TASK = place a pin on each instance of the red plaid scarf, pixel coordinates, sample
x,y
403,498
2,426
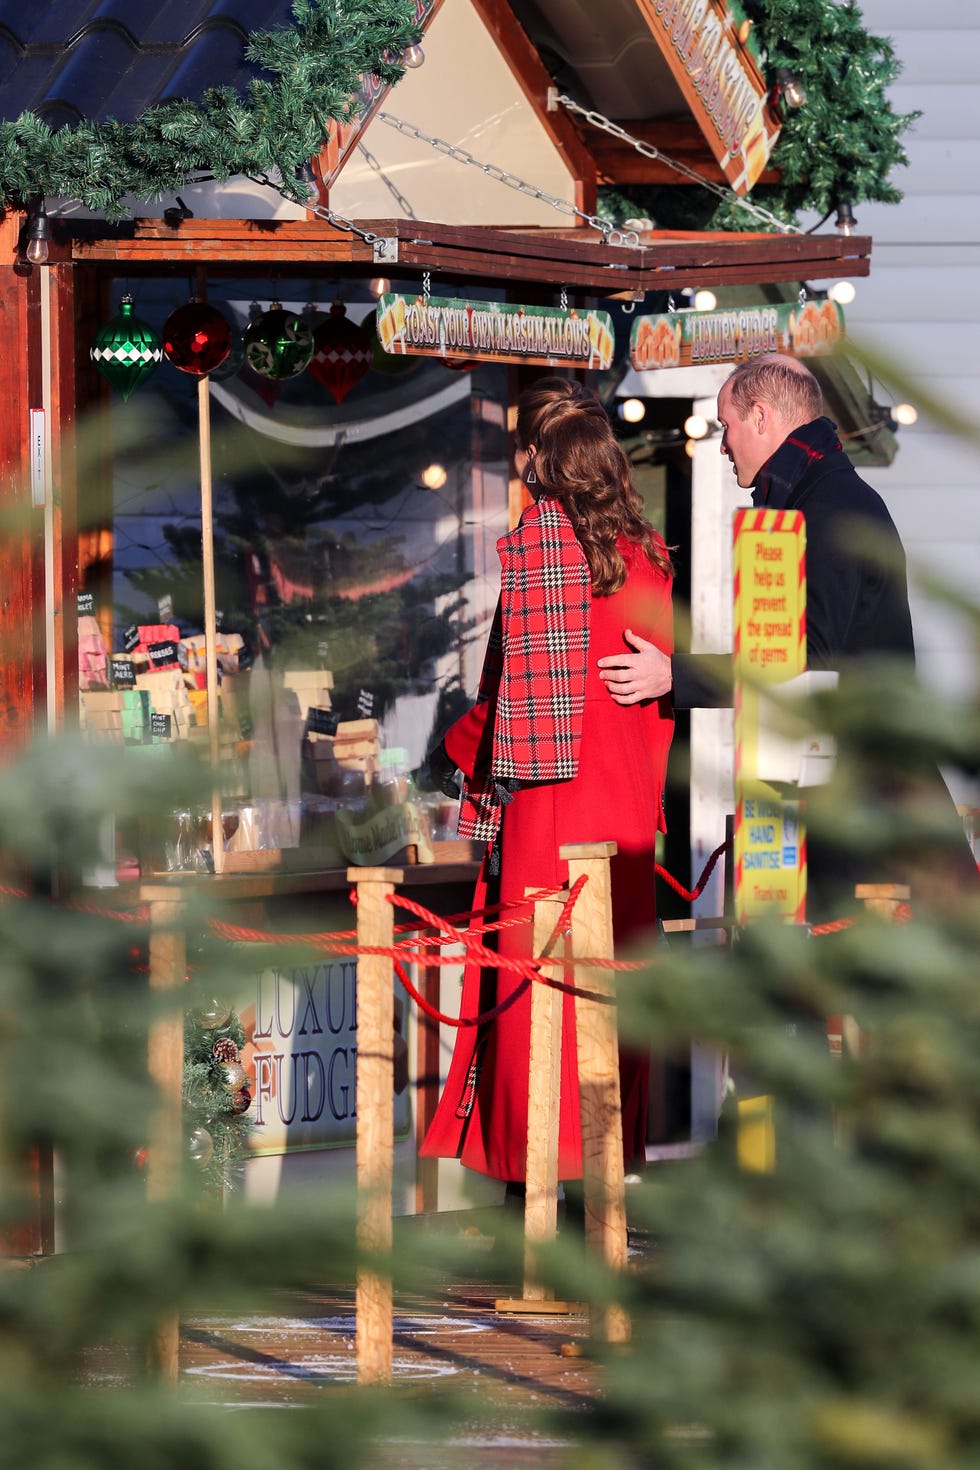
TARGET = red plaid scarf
x,y
535,662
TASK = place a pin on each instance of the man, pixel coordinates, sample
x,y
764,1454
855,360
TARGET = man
x,y
782,448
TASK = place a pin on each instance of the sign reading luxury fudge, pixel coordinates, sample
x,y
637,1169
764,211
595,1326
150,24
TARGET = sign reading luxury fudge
x,y
688,338
494,331
301,1054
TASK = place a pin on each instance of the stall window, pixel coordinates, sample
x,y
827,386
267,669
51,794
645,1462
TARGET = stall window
x,y
356,509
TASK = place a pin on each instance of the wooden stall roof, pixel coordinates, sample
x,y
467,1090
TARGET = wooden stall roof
x,y
576,258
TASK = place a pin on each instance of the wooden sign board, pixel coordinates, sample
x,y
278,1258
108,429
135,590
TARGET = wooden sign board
x,y
720,80
770,647
689,338
494,331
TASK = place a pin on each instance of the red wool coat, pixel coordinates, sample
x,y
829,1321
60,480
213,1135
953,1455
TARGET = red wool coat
x,y
615,795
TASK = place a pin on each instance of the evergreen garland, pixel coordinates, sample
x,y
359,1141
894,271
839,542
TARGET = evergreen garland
x,y
208,1103
841,146
317,66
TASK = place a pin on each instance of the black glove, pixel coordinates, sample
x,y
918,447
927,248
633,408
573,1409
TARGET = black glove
x,y
443,772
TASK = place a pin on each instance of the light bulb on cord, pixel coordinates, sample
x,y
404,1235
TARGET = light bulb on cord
x,y
696,426
905,413
705,301
845,222
434,476
38,236
843,292
690,447
632,410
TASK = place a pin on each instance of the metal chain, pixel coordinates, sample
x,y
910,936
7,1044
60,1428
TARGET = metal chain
x,y
649,151
610,234
320,210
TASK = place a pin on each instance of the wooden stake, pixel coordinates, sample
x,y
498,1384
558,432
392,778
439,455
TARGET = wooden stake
x,y
543,1110
165,1058
598,1064
375,1116
210,617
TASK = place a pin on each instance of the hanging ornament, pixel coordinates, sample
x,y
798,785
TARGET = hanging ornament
x,y
242,1101
232,1076
196,338
390,363
213,1016
278,344
342,353
225,1050
126,350
200,1146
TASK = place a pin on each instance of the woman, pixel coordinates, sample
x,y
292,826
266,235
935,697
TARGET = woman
x,y
548,758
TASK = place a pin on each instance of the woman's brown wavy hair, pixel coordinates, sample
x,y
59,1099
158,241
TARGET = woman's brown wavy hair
x,y
579,462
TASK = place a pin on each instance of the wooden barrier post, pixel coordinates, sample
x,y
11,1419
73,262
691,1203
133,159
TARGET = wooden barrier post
x,y
165,1059
598,1063
375,1116
543,1110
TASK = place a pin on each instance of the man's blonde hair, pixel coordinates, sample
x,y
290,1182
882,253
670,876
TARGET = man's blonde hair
x,y
783,382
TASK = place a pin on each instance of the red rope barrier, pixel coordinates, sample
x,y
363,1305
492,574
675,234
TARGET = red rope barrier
x,y
690,894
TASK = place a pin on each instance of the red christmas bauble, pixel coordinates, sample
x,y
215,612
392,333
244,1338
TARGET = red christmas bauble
x,y
196,338
242,1101
342,353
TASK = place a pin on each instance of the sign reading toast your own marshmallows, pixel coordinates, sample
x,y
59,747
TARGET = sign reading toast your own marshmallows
x,y
687,338
494,331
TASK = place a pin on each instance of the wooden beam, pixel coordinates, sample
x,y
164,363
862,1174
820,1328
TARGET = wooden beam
x,y
21,545
576,258
618,162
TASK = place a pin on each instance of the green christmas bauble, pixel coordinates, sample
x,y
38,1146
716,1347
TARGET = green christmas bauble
x,y
278,344
214,1016
126,350
200,1146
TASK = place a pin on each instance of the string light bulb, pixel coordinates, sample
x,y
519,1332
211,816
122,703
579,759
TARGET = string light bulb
x,y
704,301
632,410
379,286
905,414
696,426
790,89
843,292
38,236
434,476
690,447
845,221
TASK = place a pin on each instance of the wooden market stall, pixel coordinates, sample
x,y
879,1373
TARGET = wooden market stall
x,y
61,431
